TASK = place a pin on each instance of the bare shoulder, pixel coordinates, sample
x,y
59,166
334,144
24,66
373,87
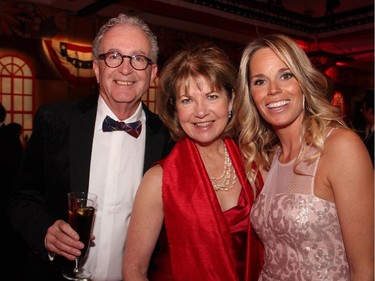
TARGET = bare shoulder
x,y
154,171
152,179
344,142
345,155
345,170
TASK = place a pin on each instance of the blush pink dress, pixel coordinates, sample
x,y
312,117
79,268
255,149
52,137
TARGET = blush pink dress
x,y
301,232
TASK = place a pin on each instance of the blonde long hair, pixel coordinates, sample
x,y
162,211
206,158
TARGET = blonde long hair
x,y
257,139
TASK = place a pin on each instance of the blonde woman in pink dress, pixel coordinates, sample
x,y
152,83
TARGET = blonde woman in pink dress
x,y
315,214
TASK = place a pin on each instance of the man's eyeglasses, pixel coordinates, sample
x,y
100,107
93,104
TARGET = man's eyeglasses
x,y
115,59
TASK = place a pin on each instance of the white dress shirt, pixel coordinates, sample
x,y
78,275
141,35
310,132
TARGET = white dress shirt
x,y
116,170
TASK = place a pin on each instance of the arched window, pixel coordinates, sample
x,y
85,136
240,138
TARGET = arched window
x,y
338,101
16,91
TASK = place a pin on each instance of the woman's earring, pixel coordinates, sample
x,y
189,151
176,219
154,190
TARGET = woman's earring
x,y
230,114
303,102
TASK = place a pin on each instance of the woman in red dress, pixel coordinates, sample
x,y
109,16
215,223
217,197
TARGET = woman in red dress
x,y
193,207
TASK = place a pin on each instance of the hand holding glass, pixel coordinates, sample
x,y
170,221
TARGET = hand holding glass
x,y
81,207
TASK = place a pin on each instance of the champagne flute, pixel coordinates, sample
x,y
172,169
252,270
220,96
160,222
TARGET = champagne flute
x,y
81,208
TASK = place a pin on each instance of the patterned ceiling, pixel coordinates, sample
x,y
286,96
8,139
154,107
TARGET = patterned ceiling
x,y
345,28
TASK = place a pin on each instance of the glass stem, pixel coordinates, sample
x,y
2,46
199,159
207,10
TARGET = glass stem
x,y
76,268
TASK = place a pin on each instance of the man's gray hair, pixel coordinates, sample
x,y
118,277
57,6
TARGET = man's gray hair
x,y
131,20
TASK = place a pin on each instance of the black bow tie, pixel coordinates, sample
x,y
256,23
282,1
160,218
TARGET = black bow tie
x,y
133,129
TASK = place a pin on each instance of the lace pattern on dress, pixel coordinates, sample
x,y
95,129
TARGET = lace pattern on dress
x,y
301,232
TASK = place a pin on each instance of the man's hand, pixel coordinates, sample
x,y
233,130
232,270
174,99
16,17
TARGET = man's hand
x,y
61,239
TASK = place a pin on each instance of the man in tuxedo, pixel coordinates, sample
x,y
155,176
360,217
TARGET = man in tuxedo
x,y
80,146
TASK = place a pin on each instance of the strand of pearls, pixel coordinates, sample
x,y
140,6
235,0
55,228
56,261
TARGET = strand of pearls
x,y
228,177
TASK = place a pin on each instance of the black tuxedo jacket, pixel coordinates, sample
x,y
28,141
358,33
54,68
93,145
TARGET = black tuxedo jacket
x,y
56,161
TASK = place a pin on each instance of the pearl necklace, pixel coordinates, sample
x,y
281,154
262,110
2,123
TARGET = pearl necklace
x,y
228,178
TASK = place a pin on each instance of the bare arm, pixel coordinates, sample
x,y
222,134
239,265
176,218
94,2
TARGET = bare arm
x,y
145,225
351,177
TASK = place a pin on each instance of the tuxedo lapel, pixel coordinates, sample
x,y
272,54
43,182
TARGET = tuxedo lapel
x,y
81,139
82,134
158,143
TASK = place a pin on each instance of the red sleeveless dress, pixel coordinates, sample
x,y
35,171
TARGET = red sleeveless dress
x,y
198,240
